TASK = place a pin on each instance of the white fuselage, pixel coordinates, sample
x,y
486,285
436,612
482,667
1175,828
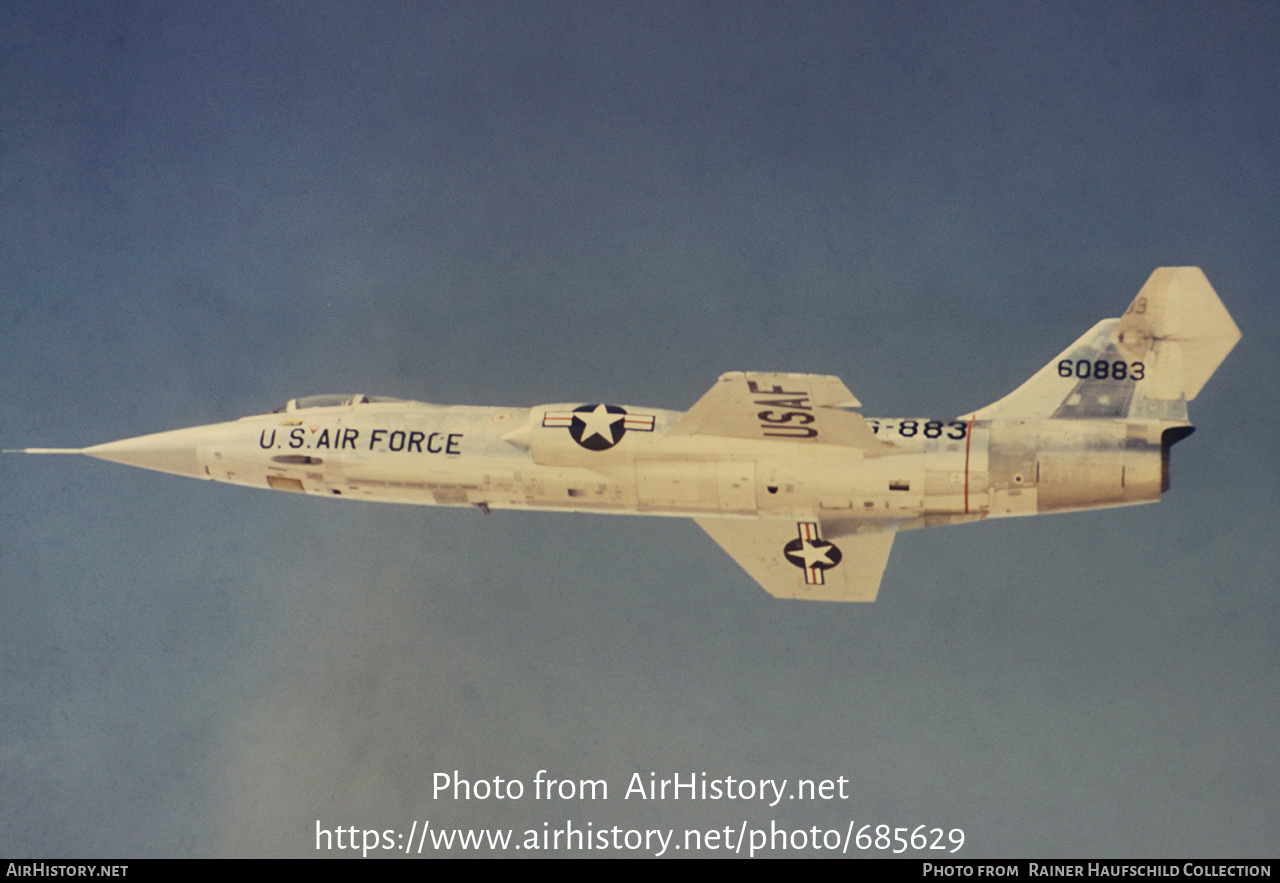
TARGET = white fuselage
x,y
932,471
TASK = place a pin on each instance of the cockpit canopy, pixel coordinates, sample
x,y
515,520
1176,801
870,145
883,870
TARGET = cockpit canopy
x,y
333,400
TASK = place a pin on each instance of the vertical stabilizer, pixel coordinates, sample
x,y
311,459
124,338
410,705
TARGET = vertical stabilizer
x,y
1145,365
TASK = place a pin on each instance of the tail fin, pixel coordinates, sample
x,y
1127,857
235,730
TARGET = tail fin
x,y
1145,365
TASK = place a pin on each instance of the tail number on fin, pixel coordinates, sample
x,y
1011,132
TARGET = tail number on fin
x,y
1102,369
811,553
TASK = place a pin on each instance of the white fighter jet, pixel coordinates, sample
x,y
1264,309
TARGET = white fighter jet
x,y
781,470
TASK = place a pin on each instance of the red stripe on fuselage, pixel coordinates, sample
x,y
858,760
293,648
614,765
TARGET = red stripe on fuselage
x,y
968,440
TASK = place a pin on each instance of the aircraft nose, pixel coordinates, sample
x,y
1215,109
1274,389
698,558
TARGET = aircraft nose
x,y
173,451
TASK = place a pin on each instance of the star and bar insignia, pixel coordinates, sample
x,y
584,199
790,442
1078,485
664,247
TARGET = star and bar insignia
x,y
811,553
598,427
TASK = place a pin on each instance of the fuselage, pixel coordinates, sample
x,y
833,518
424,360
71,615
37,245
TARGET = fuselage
x,y
930,471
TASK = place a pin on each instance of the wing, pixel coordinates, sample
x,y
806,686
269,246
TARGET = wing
x,y
810,408
791,559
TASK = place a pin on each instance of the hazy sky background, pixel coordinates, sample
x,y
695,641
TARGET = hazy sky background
x,y
206,209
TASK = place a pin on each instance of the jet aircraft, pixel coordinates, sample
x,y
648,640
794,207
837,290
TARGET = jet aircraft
x,y
782,470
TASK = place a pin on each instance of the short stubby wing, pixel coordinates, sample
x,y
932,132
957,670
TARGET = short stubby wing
x,y
794,559
808,408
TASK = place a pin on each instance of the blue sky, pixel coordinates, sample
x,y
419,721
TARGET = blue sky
x,y
206,209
